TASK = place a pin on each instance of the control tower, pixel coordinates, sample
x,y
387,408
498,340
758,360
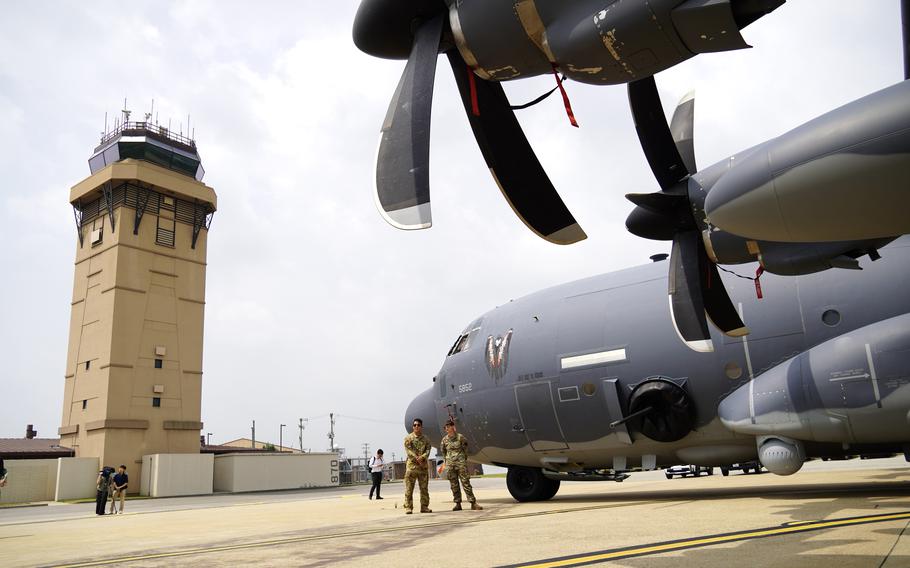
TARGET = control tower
x,y
133,383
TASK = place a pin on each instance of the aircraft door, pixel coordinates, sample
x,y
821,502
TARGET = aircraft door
x,y
537,414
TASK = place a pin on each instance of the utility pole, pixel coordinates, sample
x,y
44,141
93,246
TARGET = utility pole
x,y
281,436
254,434
366,460
331,432
300,426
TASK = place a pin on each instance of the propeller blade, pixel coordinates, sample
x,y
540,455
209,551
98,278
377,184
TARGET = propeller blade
x,y
403,160
659,202
717,302
511,160
682,126
687,310
654,134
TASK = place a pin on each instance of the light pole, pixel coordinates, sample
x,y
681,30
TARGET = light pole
x,y
281,436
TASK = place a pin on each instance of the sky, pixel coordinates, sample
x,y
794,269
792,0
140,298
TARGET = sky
x,y
314,305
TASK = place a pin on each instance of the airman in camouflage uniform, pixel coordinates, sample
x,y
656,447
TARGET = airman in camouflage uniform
x,y
417,447
454,447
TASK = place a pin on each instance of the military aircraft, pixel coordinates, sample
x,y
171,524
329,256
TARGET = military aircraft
x,y
488,41
587,380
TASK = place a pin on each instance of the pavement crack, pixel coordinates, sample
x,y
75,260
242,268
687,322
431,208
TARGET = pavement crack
x,y
893,546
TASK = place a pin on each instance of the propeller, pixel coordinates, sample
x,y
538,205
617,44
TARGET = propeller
x,y
696,291
402,168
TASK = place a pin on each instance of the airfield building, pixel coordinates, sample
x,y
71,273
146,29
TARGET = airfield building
x,y
133,381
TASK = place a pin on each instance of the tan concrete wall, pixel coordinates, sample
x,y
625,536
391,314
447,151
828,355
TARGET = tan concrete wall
x,y
29,481
170,475
75,478
132,295
237,473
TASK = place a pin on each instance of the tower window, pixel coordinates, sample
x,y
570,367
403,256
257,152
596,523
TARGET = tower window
x,y
87,365
156,402
84,404
158,363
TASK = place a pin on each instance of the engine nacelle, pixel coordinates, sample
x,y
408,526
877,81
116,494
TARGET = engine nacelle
x,y
594,41
851,389
781,456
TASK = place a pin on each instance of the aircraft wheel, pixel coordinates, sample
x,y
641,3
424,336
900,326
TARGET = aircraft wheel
x,y
724,471
530,484
669,476
710,471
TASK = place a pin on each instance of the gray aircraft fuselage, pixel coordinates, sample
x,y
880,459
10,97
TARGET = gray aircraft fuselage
x,y
537,382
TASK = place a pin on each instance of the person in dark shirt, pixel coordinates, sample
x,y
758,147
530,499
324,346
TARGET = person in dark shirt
x,y
102,487
119,484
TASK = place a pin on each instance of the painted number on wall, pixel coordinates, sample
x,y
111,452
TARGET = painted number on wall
x,y
333,468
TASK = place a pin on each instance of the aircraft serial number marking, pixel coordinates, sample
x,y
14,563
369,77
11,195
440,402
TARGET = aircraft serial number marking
x,y
697,542
467,387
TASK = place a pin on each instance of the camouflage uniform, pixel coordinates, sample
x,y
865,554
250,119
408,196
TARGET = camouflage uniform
x,y
416,447
455,450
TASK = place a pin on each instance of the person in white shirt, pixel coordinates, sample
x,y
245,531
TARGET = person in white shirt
x,y
376,463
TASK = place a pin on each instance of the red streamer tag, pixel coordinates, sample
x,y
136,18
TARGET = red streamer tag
x,y
475,107
565,97
758,274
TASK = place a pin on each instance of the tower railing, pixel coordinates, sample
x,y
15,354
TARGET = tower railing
x,y
157,131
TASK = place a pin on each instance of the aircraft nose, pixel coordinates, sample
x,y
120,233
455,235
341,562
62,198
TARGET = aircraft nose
x,y
422,407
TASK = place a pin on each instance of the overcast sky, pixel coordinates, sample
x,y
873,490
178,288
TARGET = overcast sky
x,y
313,303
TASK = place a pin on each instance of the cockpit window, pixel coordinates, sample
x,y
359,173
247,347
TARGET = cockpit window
x,y
466,339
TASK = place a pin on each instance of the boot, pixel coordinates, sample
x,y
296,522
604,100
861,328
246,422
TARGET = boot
x,y
408,511
457,507
475,507
426,510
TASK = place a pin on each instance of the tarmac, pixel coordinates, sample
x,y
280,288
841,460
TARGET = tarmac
x,y
849,514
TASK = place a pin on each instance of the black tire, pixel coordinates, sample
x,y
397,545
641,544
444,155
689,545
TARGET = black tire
x,y
710,471
551,487
724,471
529,484
669,476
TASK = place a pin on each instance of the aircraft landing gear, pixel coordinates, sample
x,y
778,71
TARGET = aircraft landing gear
x,y
530,484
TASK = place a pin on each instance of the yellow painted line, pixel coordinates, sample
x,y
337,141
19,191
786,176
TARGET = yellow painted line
x,y
713,539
